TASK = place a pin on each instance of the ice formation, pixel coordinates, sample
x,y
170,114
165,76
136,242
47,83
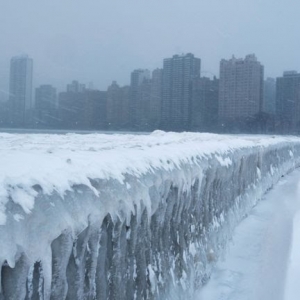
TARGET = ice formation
x,y
262,261
126,216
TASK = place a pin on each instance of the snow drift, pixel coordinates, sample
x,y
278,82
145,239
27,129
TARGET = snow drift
x,y
126,216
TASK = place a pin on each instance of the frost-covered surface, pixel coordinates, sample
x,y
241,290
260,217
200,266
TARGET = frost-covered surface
x,y
263,259
126,216
292,288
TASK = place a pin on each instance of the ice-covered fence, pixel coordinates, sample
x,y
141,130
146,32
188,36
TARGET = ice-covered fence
x,y
126,216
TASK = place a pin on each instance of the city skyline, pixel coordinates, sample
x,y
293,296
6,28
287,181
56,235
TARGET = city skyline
x,y
174,98
102,42
90,84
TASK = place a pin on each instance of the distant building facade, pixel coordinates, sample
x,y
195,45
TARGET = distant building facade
x,y
45,97
117,107
94,113
82,110
204,115
20,89
113,106
139,80
143,105
269,101
125,113
179,73
75,87
240,89
156,99
288,102
4,114
45,105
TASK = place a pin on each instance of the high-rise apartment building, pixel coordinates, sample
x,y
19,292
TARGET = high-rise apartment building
x,y
20,89
240,89
288,102
179,73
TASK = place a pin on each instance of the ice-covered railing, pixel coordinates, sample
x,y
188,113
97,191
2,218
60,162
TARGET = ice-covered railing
x,y
126,216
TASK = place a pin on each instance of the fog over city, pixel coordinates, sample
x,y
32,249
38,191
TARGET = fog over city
x,y
101,41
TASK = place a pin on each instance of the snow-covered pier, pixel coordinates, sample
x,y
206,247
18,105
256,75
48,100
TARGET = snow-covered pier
x,y
126,216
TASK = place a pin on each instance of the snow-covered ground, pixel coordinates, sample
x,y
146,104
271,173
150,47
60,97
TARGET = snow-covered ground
x,y
263,259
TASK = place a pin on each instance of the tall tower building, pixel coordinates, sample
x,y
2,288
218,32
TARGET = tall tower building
x,y
20,88
179,73
240,90
288,102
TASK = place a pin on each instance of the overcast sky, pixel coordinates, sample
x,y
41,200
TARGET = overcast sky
x,y
103,40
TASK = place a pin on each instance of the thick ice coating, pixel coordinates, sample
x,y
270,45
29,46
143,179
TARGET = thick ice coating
x,y
96,216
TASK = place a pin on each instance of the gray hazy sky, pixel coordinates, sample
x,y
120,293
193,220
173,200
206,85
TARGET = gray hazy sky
x,y
104,40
